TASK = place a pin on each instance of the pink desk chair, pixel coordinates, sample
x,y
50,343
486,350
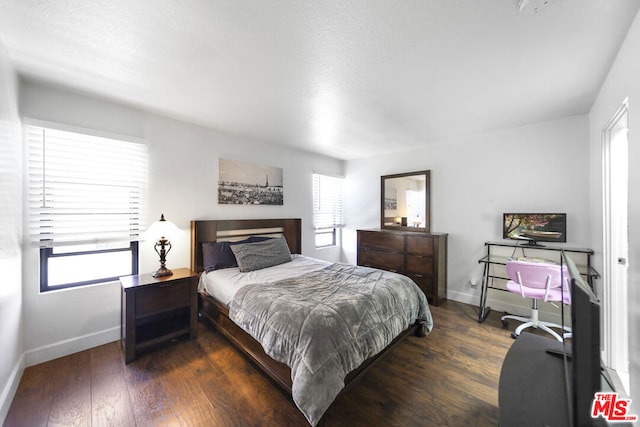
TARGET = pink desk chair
x,y
538,281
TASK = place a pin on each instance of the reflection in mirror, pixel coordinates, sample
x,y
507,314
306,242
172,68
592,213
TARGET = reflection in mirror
x,y
405,201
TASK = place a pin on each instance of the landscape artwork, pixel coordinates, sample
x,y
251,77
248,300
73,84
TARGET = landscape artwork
x,y
390,198
243,183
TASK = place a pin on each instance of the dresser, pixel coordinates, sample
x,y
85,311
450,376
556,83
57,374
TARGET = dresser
x,y
420,256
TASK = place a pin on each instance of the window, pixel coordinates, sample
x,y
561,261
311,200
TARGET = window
x,y
86,201
415,208
327,209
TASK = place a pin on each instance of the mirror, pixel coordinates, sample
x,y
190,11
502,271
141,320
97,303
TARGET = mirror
x,y
405,203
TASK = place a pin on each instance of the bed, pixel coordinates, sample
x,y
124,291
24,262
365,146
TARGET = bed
x,y
311,395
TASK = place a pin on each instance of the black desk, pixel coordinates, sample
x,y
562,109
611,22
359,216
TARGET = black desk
x,y
532,384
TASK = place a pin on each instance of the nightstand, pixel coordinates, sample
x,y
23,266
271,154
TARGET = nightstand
x,y
155,310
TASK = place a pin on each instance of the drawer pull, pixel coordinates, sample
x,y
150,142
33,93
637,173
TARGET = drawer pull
x,y
418,275
166,285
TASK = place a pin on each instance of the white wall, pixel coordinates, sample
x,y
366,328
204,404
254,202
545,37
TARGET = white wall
x,y
537,168
11,347
182,185
623,81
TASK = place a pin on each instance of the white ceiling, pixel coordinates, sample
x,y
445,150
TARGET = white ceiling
x,y
347,78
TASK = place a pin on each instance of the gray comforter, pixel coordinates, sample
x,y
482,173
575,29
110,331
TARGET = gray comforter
x,y
324,324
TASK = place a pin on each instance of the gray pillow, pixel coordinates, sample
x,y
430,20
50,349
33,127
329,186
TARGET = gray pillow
x,y
218,255
255,256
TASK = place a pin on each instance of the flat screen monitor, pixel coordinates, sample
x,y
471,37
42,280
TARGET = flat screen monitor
x,y
531,228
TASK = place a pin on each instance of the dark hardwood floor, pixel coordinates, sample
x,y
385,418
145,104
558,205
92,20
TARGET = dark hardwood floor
x,y
449,378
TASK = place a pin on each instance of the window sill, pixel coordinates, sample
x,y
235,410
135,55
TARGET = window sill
x,y
77,288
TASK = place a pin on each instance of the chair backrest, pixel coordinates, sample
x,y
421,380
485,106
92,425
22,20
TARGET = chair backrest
x,y
535,274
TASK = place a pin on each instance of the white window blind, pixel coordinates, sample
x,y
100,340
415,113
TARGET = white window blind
x,y
83,188
327,201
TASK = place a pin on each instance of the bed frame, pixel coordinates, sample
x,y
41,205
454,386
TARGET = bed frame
x,y
218,314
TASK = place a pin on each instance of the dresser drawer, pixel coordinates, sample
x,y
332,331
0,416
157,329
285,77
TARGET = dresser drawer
x,y
382,241
425,283
389,261
163,297
420,245
421,265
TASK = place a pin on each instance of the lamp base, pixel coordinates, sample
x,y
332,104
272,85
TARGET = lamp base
x,y
163,271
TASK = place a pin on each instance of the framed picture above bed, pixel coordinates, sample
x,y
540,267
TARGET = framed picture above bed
x,y
243,183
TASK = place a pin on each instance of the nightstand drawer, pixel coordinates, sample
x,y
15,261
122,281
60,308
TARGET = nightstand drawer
x,y
167,296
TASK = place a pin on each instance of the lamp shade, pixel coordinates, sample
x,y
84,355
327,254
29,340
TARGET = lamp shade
x,y
161,228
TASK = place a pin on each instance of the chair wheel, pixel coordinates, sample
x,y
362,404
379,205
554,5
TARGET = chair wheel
x,y
514,335
505,323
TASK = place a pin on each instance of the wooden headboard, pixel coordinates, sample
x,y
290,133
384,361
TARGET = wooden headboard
x,y
238,229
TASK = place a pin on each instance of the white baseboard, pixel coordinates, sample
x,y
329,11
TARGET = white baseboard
x,y
10,388
462,297
70,346
523,309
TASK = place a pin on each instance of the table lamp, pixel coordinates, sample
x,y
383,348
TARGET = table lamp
x,y
162,228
